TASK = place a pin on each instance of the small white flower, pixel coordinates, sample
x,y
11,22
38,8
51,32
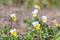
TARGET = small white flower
x,y
36,6
35,23
35,11
12,30
44,17
12,15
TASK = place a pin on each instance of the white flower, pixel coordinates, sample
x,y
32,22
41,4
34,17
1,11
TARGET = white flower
x,y
12,15
12,30
35,23
37,7
44,17
35,11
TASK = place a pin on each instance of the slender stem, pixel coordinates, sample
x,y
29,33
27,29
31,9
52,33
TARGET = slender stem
x,y
22,37
11,22
40,35
17,22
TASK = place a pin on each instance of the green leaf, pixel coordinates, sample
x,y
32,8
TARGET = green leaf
x,y
37,18
1,38
11,38
19,37
6,29
25,20
57,36
8,38
4,38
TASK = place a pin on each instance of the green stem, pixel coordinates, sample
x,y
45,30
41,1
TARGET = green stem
x,y
11,22
40,35
22,37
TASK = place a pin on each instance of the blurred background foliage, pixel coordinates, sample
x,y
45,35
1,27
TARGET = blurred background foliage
x,y
42,3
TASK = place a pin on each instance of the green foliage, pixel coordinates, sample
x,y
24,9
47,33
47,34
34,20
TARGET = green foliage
x,y
27,21
43,3
11,38
57,36
1,38
30,3
4,3
46,31
30,35
6,29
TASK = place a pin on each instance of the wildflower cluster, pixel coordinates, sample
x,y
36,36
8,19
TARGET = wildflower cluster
x,y
39,26
39,29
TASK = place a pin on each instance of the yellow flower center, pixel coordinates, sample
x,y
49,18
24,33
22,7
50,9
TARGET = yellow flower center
x,y
14,18
34,14
37,26
44,20
14,33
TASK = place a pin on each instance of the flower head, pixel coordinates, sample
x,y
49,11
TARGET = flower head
x,y
37,7
44,19
13,16
35,12
55,23
13,32
36,25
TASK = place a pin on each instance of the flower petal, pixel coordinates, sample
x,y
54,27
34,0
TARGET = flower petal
x,y
12,15
35,23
